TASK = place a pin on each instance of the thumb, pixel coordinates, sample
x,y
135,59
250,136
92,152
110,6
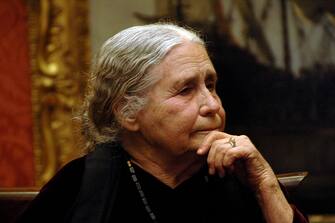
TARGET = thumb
x,y
209,139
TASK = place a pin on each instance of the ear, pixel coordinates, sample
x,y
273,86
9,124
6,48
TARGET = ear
x,y
130,123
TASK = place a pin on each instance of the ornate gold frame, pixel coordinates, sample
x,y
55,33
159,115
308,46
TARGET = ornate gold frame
x,y
59,53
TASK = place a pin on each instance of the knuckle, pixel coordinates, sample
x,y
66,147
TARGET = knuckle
x,y
209,160
215,144
219,146
230,154
244,137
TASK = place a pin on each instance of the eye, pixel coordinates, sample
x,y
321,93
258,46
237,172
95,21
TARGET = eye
x,y
211,86
186,90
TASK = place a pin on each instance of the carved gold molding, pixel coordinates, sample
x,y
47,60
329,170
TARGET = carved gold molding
x,y
59,58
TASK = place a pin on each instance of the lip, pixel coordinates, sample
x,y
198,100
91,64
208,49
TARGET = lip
x,y
206,131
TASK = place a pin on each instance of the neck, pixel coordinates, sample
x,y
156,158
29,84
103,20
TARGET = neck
x,y
171,174
170,169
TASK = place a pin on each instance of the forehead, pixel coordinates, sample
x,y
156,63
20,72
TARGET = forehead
x,y
186,52
185,60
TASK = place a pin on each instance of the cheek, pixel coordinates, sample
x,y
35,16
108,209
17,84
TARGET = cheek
x,y
185,113
222,114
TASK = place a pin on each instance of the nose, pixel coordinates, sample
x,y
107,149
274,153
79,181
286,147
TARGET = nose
x,y
210,104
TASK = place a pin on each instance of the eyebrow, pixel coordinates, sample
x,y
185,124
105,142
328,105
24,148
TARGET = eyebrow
x,y
210,75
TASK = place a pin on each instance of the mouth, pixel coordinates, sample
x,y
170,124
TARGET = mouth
x,y
206,131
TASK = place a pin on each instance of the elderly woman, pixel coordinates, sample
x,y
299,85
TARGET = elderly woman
x,y
158,152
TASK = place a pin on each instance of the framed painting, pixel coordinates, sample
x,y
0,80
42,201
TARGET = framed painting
x,y
59,52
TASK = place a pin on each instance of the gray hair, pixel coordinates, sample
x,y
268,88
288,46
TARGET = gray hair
x,y
121,76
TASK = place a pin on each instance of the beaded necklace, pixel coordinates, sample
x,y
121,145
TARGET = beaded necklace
x,y
141,192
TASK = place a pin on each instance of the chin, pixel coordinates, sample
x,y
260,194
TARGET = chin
x,y
196,143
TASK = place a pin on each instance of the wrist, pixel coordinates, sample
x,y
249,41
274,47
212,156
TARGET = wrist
x,y
273,203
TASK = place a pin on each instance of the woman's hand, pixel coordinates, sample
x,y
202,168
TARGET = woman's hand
x,y
238,155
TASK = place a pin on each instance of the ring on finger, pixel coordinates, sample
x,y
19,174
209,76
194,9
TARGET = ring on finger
x,y
232,142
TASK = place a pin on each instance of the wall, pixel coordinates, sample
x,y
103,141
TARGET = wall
x,y
109,17
16,144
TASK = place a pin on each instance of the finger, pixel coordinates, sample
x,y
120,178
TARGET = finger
x,y
218,162
215,156
210,160
234,154
209,139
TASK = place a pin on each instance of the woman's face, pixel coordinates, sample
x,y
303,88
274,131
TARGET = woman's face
x,y
183,106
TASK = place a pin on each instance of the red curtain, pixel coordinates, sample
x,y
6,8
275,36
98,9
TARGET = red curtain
x,y
16,137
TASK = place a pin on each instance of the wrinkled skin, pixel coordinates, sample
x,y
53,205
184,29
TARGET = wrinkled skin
x,y
182,125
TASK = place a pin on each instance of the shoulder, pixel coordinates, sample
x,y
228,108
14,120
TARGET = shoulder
x,y
57,196
71,174
79,178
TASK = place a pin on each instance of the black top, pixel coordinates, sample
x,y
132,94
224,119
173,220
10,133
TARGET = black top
x,y
98,188
198,199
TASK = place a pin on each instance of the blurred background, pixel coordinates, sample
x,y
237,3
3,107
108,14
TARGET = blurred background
x,y
275,60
